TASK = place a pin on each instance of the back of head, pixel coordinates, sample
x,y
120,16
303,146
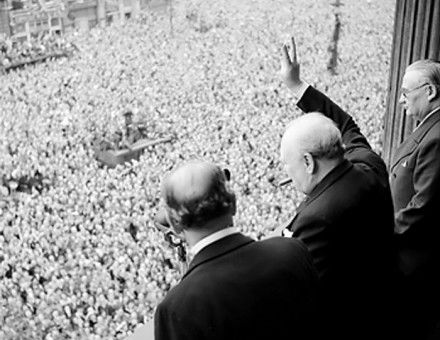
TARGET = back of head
x,y
196,193
313,133
310,148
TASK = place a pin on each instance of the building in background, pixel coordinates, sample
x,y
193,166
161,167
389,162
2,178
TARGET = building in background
x,y
26,19
29,20
4,18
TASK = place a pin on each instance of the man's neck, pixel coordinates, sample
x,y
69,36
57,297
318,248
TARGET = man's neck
x,y
326,166
432,107
194,235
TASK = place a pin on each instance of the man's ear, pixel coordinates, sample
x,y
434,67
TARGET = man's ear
x,y
309,163
173,223
433,92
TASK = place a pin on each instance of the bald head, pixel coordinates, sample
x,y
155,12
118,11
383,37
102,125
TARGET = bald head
x,y
313,133
310,148
196,193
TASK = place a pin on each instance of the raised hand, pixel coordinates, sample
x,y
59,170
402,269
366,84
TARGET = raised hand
x,y
290,67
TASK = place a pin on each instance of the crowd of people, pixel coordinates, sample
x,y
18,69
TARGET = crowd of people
x,y
81,258
15,53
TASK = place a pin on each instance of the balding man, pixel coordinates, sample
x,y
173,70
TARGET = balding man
x,y
346,220
235,287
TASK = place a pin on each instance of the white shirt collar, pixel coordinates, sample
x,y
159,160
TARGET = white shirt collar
x,y
429,115
206,241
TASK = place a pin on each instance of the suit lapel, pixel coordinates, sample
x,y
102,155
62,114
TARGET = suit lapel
x,y
409,145
404,149
217,249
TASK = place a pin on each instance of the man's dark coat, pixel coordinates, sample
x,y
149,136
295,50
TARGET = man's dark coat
x,y
415,186
347,224
237,288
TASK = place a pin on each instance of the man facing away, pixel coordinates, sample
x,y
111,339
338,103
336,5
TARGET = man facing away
x,y
346,220
235,287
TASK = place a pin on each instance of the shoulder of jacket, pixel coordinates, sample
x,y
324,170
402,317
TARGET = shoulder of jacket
x,y
284,243
434,131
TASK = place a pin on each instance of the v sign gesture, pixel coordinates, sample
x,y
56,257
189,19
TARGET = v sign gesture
x,y
290,67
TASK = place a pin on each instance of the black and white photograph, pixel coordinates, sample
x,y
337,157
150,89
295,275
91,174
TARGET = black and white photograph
x,y
219,169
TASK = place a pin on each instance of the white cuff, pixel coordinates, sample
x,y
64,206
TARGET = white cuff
x,y
300,90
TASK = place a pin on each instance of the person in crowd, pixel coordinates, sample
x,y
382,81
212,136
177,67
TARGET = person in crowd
x,y
346,219
235,287
70,266
415,186
131,132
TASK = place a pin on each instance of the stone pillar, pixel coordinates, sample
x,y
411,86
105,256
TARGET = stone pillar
x,y
136,8
121,8
5,28
100,13
416,36
28,30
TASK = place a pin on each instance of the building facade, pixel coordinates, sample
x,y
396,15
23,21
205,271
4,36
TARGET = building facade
x,y
25,19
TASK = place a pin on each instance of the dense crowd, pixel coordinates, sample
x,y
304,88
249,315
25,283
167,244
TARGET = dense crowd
x,y
80,257
14,52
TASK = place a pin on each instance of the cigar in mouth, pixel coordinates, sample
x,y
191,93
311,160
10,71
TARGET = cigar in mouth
x,y
284,182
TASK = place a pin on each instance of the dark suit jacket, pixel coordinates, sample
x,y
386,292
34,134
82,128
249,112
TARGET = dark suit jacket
x,y
415,186
347,224
237,288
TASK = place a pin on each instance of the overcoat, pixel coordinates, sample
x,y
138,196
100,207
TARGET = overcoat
x,y
347,224
238,288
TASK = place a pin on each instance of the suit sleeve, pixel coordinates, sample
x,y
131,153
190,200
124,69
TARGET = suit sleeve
x,y
167,326
160,330
178,320
426,180
357,148
310,233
